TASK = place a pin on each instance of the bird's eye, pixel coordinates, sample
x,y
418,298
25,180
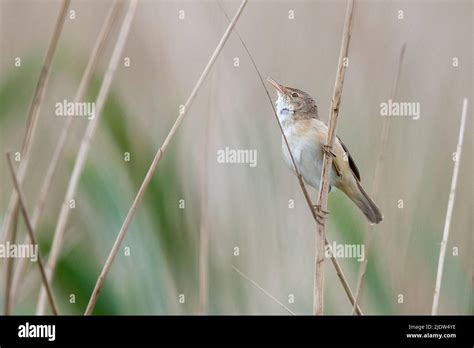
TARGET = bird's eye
x,y
294,95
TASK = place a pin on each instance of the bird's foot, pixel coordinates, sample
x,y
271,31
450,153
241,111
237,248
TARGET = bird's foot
x,y
327,150
320,213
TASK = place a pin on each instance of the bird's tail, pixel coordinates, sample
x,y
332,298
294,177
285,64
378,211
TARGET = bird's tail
x,y
367,205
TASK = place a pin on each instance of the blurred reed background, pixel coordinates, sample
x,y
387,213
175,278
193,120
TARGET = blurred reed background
x,y
240,206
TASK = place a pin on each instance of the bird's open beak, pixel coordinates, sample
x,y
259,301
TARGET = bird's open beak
x,y
279,87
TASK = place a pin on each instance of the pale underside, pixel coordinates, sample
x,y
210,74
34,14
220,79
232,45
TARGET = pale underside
x,y
305,138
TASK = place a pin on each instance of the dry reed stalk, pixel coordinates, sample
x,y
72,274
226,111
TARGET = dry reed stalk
x,y
38,96
154,164
337,267
377,175
449,210
204,224
85,146
21,200
10,223
318,285
96,53
263,290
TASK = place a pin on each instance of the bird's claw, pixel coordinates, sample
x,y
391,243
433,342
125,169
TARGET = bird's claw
x,y
327,150
320,213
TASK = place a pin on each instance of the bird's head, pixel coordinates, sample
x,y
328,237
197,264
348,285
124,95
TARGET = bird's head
x,y
293,103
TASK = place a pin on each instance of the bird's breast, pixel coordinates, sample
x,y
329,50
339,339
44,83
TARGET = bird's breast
x,y
307,153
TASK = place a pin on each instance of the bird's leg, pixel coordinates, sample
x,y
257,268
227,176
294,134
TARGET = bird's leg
x,y
320,213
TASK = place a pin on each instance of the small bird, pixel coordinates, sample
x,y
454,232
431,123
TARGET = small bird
x,y
307,137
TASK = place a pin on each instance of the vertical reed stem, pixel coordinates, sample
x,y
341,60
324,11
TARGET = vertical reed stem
x,y
318,284
449,210
337,267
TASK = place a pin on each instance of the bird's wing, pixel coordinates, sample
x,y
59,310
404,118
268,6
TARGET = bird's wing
x,y
339,164
352,164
